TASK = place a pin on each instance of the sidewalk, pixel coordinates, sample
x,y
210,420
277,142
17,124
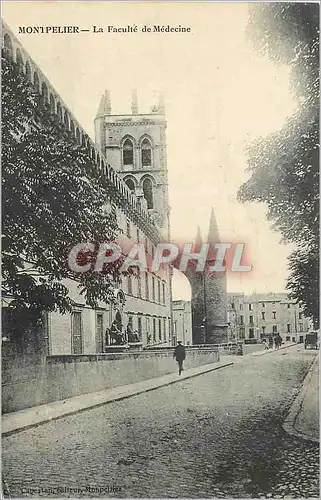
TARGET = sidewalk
x,y
31,417
303,418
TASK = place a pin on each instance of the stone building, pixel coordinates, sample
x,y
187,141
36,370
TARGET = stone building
x,y
182,321
136,147
209,296
135,144
258,316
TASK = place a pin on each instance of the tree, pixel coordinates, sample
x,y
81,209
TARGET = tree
x,y
284,166
54,197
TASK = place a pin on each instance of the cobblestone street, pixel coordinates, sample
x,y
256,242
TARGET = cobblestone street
x,y
216,435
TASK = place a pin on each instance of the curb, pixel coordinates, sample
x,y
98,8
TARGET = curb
x,y
296,406
271,351
124,392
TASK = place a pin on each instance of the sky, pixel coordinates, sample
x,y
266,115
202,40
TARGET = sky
x,y
219,94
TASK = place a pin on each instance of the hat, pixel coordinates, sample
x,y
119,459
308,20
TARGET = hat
x,y
179,341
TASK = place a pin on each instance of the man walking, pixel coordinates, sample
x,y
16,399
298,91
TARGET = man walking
x,y
179,355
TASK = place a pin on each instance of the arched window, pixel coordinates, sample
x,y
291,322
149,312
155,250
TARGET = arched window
x,y
52,104
148,192
72,128
19,60
44,92
128,153
59,112
146,153
130,183
28,71
36,81
66,119
7,44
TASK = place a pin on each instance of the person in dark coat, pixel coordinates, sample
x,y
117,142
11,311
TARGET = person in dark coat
x,y
179,355
278,341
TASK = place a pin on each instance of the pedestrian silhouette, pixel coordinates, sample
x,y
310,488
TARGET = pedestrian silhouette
x,y
179,355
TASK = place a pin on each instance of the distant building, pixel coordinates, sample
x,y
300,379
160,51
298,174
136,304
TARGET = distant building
x,y
258,316
182,321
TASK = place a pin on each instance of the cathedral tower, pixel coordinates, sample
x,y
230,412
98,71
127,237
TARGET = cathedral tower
x,y
215,295
209,295
135,145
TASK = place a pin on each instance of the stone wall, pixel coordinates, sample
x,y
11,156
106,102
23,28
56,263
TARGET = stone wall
x,y
26,383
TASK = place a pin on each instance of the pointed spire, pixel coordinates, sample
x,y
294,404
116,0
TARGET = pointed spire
x,y
161,104
213,235
104,106
134,102
198,239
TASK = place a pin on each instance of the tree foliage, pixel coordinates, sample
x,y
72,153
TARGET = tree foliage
x,y
284,166
54,197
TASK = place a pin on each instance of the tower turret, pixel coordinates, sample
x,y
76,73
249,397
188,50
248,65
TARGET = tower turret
x,y
161,104
105,105
134,102
215,291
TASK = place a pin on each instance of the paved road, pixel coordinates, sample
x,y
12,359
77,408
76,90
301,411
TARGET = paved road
x,y
216,435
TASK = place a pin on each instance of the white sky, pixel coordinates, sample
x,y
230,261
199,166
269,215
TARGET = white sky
x,y
219,96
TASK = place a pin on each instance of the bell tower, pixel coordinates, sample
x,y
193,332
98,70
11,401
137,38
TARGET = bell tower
x,y
135,145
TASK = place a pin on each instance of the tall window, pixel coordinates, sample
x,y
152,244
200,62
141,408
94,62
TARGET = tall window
x,y
241,320
263,315
153,288
139,284
274,329
250,307
263,305
154,329
164,293
76,333
288,328
241,307
274,314
160,329
148,192
251,320
158,291
263,330
164,323
146,152
147,286
129,285
251,333
128,153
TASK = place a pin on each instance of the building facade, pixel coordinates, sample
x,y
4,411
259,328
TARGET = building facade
x,y
130,152
260,316
182,321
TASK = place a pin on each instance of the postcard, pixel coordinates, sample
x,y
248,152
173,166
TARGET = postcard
x,y
160,249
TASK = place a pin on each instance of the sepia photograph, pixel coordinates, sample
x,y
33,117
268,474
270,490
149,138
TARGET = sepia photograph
x,y
160,249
